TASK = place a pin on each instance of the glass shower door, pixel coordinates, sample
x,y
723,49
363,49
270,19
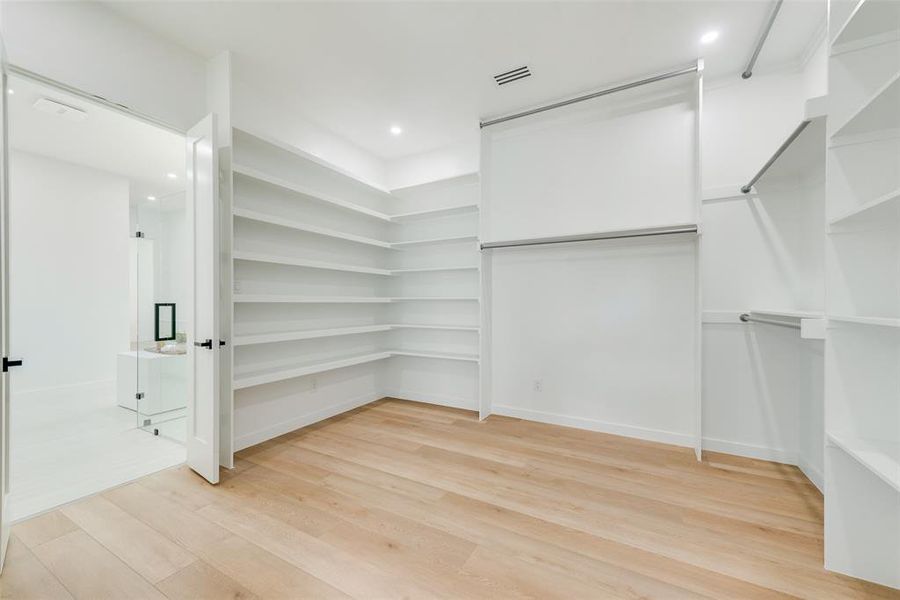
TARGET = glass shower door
x,y
159,286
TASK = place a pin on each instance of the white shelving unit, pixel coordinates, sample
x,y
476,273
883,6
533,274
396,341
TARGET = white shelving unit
x,y
862,352
345,293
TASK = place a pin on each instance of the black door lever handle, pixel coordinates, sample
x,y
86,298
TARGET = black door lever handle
x,y
8,362
207,344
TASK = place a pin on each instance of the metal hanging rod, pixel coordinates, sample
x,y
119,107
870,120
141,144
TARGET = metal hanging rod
x,y
590,237
748,318
794,135
748,72
619,88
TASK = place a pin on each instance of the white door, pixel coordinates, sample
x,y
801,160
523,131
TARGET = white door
x,y
203,342
4,315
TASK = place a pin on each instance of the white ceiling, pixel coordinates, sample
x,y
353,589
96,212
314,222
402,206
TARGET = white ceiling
x,y
357,68
106,140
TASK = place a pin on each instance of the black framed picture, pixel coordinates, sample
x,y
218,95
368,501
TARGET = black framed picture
x,y
164,322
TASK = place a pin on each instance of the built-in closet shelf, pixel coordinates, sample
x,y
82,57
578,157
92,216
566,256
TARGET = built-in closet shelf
x,y
883,209
308,264
434,269
264,375
285,298
291,336
280,373
310,193
802,150
443,240
880,457
788,314
878,113
253,215
436,212
869,18
437,355
869,321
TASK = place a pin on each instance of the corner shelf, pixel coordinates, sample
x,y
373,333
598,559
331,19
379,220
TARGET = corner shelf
x,y
290,336
437,355
435,212
877,113
308,264
473,328
252,215
880,457
314,194
290,299
789,314
875,211
443,240
434,269
271,375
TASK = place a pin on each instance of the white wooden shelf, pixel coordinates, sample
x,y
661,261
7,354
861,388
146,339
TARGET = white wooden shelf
x,y
435,269
878,113
287,298
437,355
253,215
314,194
435,327
881,209
442,240
264,375
869,18
789,314
291,299
880,457
302,262
290,336
798,155
280,373
436,212
873,321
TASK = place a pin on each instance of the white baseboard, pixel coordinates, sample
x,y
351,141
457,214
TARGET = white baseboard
x,y
261,435
779,455
813,474
642,433
438,399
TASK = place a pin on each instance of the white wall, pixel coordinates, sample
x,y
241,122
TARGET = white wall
x,y
762,385
68,272
90,47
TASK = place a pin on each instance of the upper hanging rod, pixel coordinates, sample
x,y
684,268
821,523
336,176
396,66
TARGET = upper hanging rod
x,y
748,72
748,318
590,237
794,135
619,88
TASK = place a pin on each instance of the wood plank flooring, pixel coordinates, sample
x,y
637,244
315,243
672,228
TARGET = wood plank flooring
x,y
405,500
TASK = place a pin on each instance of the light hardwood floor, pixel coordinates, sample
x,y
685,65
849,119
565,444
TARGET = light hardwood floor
x,y
405,500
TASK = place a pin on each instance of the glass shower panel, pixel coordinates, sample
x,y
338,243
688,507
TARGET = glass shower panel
x,y
161,349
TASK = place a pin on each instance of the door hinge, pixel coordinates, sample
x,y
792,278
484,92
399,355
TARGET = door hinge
x,y
138,234
11,362
139,396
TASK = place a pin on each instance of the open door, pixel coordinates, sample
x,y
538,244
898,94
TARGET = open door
x,y
202,440
4,312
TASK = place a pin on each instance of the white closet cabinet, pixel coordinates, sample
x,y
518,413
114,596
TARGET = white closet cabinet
x,y
862,402
344,293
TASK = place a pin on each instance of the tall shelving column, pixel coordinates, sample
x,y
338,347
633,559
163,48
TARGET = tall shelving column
x,y
862,388
434,336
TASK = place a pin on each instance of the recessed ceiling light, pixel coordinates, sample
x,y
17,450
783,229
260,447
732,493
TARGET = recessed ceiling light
x,y
396,130
10,91
172,175
151,197
709,37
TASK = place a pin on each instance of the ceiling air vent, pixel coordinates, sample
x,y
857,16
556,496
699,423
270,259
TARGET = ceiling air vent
x,y
514,75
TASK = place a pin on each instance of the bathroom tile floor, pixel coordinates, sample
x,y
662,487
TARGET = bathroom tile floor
x,y
69,446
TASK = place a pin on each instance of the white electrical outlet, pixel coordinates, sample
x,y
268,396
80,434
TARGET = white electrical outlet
x,y
538,385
